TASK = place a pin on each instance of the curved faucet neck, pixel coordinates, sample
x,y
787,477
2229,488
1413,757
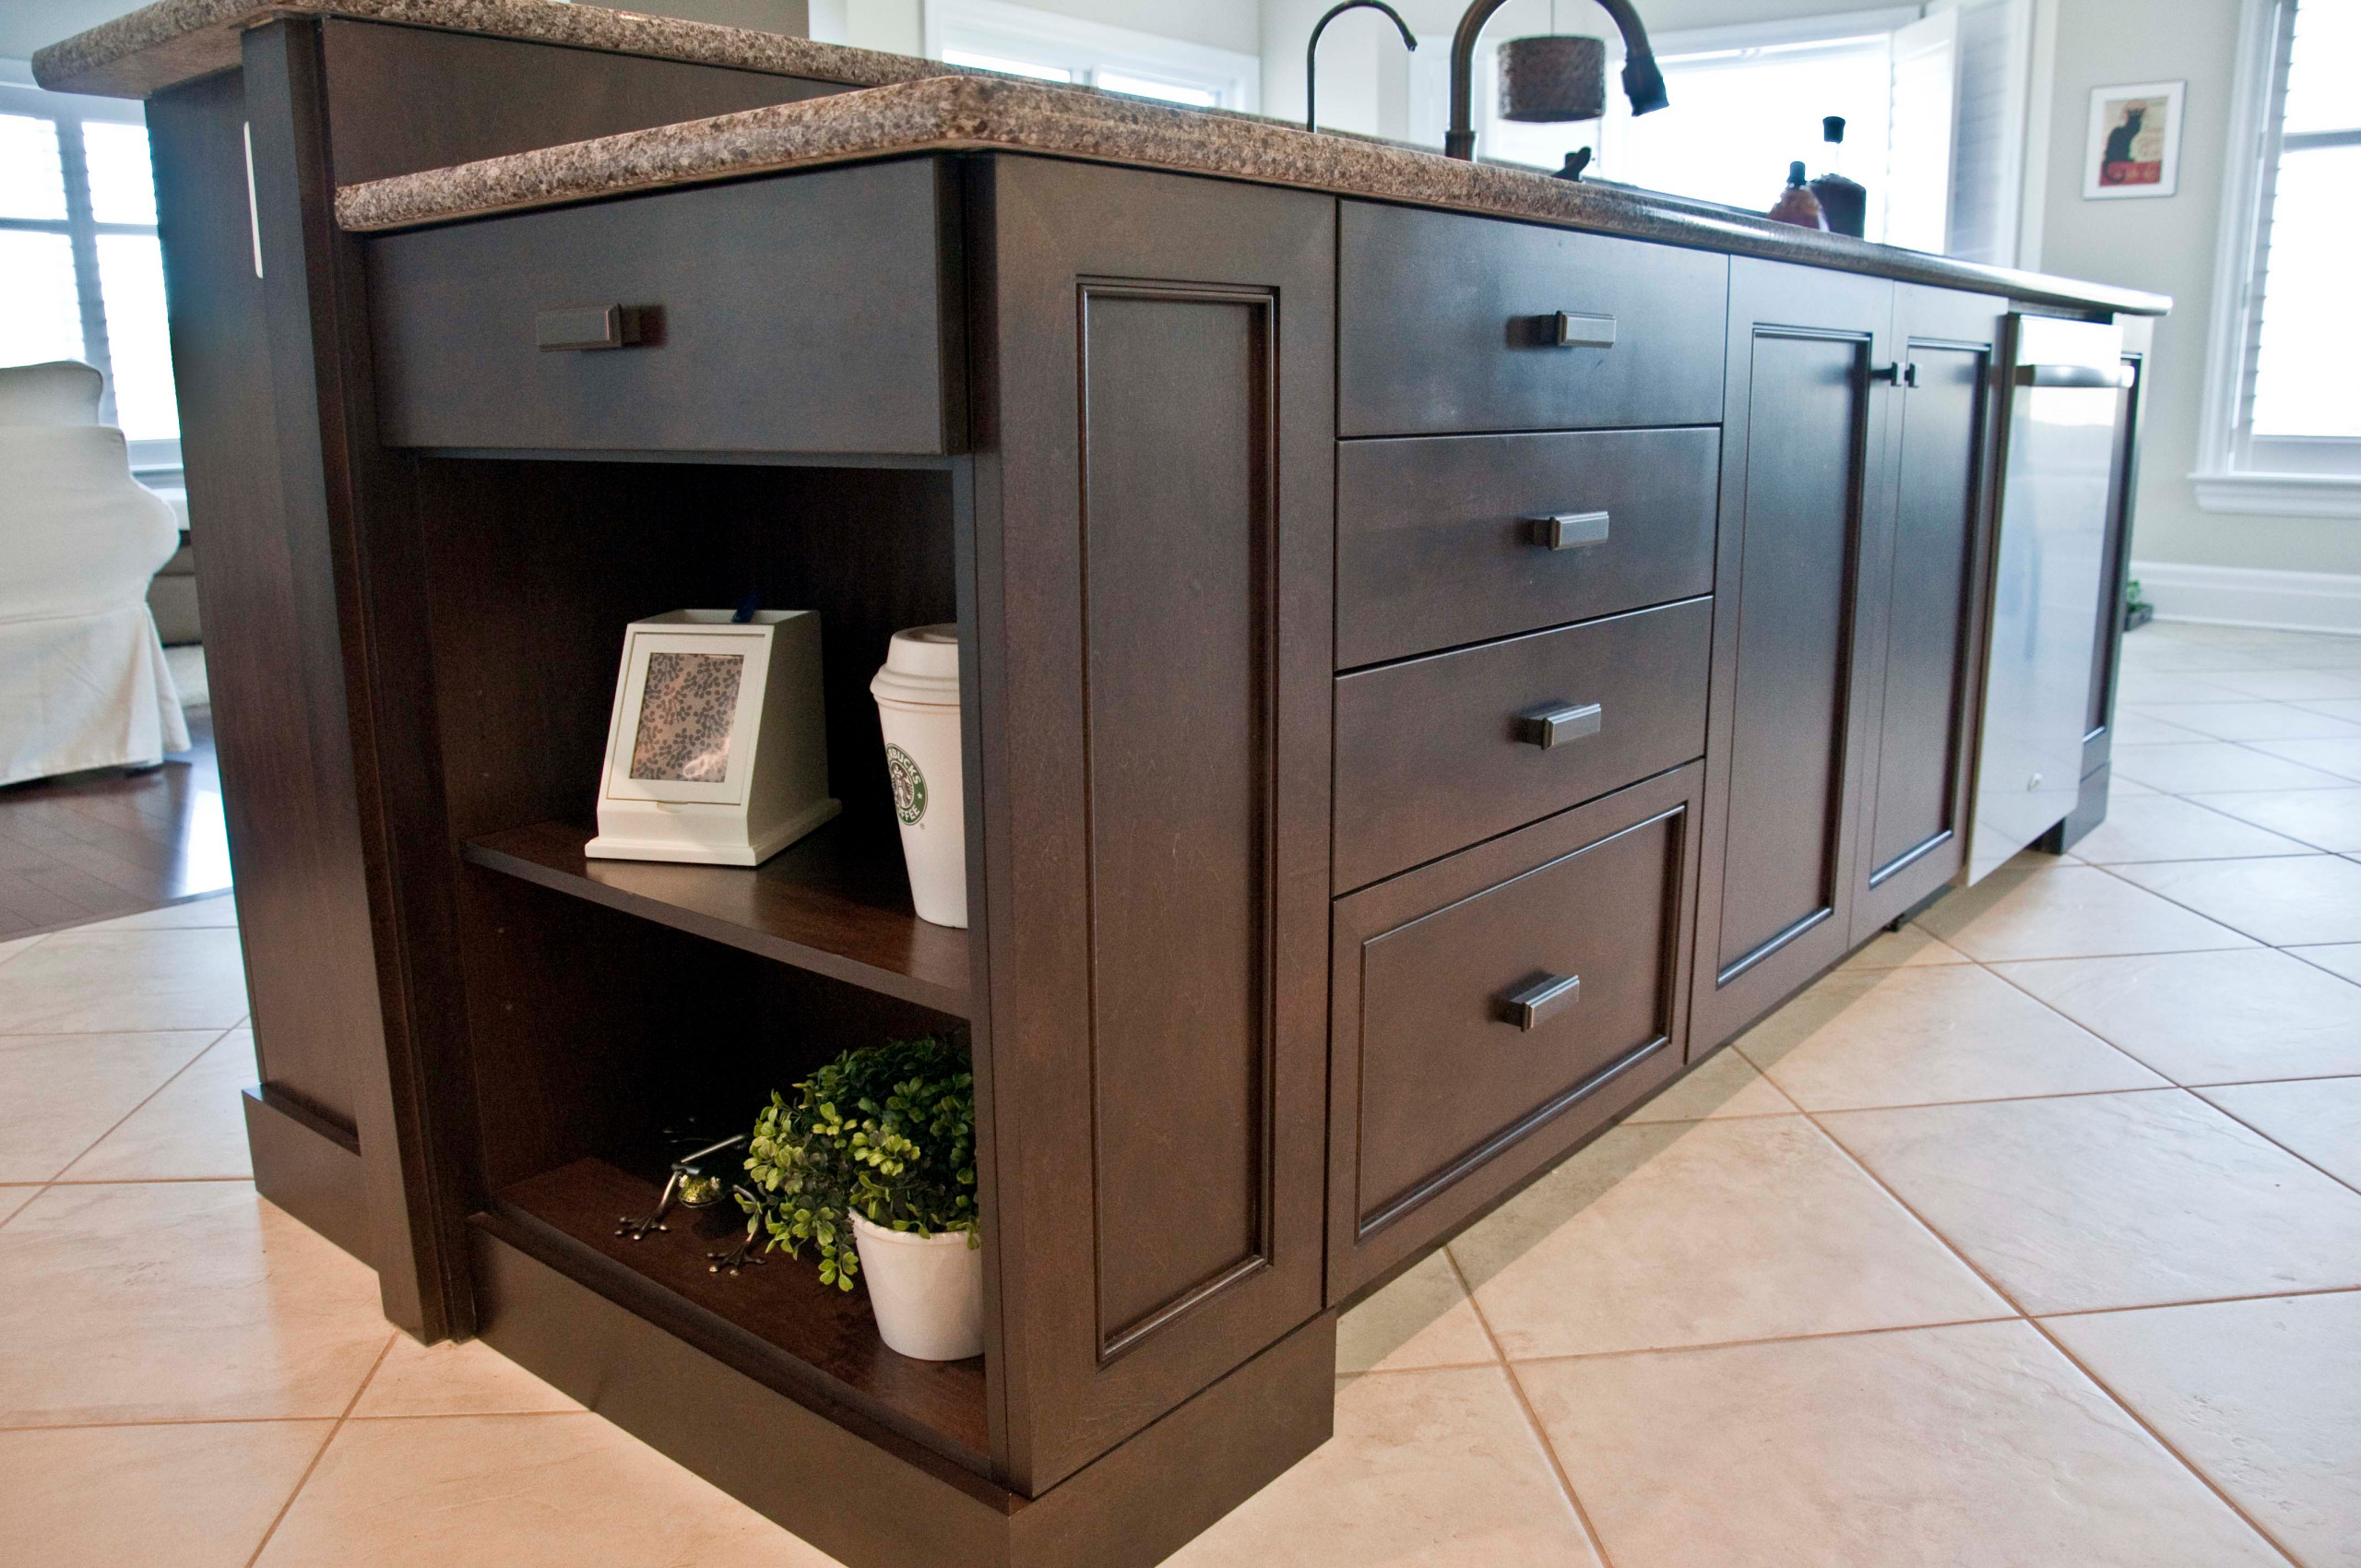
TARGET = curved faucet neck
x,y
1643,83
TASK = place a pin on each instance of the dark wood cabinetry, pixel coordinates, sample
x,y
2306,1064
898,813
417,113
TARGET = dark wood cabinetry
x,y
1851,505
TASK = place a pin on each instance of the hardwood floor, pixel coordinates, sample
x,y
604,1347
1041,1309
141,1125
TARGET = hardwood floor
x,y
92,845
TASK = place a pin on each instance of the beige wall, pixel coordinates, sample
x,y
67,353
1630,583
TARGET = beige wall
x,y
2168,244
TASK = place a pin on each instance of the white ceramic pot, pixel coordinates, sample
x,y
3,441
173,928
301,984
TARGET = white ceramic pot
x,y
928,1291
918,706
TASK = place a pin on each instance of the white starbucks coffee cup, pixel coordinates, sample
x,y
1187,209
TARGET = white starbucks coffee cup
x,y
917,704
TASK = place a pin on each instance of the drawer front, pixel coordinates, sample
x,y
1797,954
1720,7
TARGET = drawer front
x,y
1452,1082
1442,540
1435,754
806,313
1449,323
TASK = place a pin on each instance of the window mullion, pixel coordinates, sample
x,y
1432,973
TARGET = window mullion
x,y
82,233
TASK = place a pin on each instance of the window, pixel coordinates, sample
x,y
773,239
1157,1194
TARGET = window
x,y
81,273
1021,41
2281,428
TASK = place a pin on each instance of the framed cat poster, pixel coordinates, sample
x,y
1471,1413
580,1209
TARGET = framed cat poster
x,y
2135,141
717,750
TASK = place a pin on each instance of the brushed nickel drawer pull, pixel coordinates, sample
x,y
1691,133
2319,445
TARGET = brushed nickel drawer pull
x,y
1546,727
587,326
1569,530
1535,1005
1570,330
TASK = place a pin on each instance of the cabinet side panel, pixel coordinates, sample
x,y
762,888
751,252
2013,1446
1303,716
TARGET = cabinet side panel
x,y
1175,437
1786,759
1934,532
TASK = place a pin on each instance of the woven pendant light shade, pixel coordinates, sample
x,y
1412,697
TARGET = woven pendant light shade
x,y
1553,78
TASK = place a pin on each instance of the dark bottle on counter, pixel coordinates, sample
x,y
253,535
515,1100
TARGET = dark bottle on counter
x,y
1796,204
1844,203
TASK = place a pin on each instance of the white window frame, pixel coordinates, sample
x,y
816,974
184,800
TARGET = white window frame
x,y
1085,48
2227,477
19,95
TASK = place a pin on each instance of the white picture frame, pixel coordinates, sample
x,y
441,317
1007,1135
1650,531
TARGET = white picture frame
x,y
2133,145
717,745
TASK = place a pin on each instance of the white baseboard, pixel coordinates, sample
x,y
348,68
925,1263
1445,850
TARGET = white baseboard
x,y
2243,596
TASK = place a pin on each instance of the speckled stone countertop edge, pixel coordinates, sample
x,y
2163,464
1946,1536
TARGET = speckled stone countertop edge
x,y
143,52
974,113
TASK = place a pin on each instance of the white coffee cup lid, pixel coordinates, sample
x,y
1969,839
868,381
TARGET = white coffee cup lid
x,y
921,666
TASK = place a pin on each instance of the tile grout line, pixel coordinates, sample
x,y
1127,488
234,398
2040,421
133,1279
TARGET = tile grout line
x,y
321,1453
2030,1321
2291,1152
135,1109
1531,1421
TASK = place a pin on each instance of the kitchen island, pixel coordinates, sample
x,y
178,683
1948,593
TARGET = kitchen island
x,y
1442,651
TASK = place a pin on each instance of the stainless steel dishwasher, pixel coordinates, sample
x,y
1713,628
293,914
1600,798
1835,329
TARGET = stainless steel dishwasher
x,y
2064,380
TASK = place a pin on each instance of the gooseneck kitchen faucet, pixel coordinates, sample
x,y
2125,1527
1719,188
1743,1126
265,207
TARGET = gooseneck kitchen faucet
x,y
1643,83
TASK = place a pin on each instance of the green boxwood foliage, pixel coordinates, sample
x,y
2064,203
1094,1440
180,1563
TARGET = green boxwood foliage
x,y
887,1132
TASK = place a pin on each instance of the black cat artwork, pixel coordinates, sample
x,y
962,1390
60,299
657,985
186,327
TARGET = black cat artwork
x,y
2119,140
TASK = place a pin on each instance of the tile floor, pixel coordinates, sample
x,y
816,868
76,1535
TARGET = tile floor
x,y
2031,1236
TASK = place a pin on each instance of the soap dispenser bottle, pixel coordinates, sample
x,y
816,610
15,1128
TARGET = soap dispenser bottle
x,y
1796,204
1845,203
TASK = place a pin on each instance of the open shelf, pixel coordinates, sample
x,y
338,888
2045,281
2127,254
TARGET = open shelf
x,y
834,902
776,1321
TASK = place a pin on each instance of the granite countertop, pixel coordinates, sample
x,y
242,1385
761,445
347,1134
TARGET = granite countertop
x,y
905,106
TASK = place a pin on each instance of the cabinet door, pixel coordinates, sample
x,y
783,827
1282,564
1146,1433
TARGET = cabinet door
x,y
1153,602
1802,468
1920,617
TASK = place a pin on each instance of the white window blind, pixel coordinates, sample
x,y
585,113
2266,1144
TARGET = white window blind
x,y
80,270
2282,424
1021,40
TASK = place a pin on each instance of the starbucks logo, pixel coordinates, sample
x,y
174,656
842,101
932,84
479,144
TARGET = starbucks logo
x,y
909,785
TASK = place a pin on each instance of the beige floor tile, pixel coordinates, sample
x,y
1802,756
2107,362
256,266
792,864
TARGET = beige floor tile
x,y
2145,688
2195,658
2315,898
177,1301
1423,1319
2113,1200
2341,757
9,949
119,980
2326,819
2121,789
2168,827
1427,1469
1978,1446
1912,1036
2154,727
13,1198
1907,948
2318,1117
2209,1017
2259,1395
2217,765
523,1491
1700,1233
193,1495
2338,958
2241,721
2289,686
195,1128
213,909
454,1379
1727,1084
2068,912
2334,707
59,1094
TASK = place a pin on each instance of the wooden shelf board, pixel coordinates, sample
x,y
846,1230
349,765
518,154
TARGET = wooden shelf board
x,y
835,903
812,1341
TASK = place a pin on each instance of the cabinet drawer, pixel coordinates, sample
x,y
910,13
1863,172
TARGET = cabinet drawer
x,y
806,313
1447,323
1442,1096
1437,753
1445,540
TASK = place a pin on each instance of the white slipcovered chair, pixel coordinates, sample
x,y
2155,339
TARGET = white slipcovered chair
x,y
83,682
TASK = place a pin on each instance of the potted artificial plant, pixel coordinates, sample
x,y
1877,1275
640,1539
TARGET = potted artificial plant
x,y
872,1161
